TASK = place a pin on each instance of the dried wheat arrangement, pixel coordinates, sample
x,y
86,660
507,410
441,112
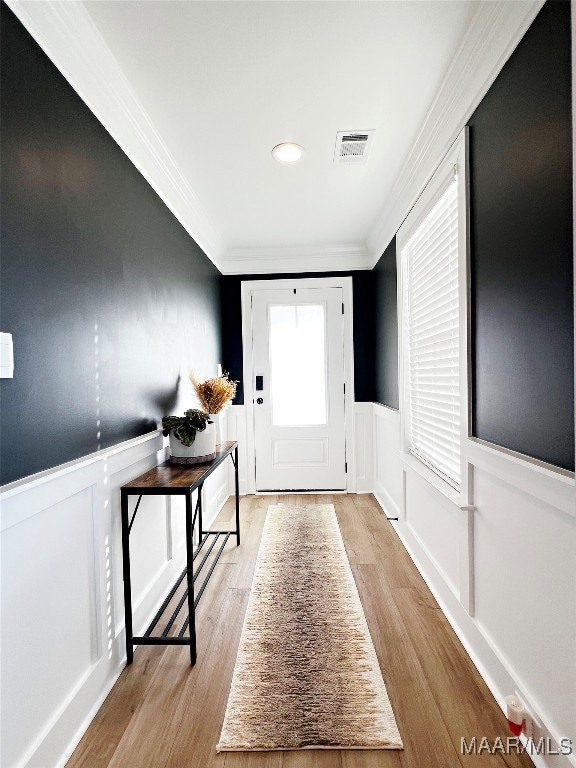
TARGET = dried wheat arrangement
x,y
214,394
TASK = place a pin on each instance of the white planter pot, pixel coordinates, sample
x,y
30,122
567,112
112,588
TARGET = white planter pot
x,y
203,448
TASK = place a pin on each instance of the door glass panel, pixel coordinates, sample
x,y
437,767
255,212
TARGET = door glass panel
x,y
298,364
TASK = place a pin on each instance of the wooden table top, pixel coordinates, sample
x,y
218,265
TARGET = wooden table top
x,y
171,477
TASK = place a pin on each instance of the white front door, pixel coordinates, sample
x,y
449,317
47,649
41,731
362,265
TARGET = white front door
x,y
298,389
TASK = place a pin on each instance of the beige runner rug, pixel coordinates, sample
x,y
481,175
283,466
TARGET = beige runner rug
x,y
306,674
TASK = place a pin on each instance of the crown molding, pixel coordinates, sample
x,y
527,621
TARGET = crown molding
x,y
494,32
329,258
67,34
69,37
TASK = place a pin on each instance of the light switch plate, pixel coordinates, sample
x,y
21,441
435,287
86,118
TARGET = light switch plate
x,y
6,356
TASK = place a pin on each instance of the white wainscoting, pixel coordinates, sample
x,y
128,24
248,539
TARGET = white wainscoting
x,y
62,600
504,575
236,430
364,463
387,471
503,572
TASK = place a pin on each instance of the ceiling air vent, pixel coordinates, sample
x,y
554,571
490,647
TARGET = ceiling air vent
x,y
352,146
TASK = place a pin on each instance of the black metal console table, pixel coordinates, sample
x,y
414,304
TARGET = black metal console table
x,y
177,480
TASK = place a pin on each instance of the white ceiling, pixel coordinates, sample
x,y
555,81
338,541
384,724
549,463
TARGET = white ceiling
x,y
224,82
209,87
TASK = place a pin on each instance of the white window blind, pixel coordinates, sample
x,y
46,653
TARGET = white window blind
x,y
430,260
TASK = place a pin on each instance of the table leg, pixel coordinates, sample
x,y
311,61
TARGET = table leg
x,y
237,489
127,583
190,576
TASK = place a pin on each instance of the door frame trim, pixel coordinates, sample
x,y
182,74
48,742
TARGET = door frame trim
x,y
247,288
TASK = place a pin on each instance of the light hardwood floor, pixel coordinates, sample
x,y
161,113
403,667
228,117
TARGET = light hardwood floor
x,y
162,713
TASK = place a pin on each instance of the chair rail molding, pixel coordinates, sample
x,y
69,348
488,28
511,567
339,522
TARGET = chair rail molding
x,y
500,567
62,590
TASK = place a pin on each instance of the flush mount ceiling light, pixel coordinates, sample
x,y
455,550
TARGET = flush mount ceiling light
x,y
288,152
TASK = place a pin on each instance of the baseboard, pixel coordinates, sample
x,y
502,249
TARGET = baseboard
x,y
386,502
75,740
491,666
74,509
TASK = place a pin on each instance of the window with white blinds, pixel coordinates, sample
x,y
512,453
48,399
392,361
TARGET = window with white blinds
x,y
432,343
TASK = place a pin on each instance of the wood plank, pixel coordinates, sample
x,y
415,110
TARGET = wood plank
x,y
250,544
164,714
426,741
371,758
154,729
361,500
226,521
448,668
198,718
100,741
312,758
253,760
353,528
398,570
464,701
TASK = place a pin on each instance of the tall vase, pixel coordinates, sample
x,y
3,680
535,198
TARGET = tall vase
x,y
217,419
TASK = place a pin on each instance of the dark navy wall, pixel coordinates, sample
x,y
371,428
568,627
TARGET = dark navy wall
x,y
521,254
521,248
363,319
386,328
103,290
99,278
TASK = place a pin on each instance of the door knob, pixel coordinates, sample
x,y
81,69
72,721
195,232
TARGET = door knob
x,y
259,400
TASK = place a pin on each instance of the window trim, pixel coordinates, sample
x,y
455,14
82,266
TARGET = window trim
x,y
444,174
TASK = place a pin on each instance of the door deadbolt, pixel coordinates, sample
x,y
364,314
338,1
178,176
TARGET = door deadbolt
x,y
259,400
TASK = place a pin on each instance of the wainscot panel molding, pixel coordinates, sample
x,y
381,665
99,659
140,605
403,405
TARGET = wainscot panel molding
x,y
502,569
549,484
236,430
62,598
363,428
388,472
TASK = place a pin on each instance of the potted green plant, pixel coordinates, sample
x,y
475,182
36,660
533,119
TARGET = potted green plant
x,y
192,437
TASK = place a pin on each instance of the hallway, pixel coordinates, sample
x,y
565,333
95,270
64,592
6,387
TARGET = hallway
x,y
163,714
